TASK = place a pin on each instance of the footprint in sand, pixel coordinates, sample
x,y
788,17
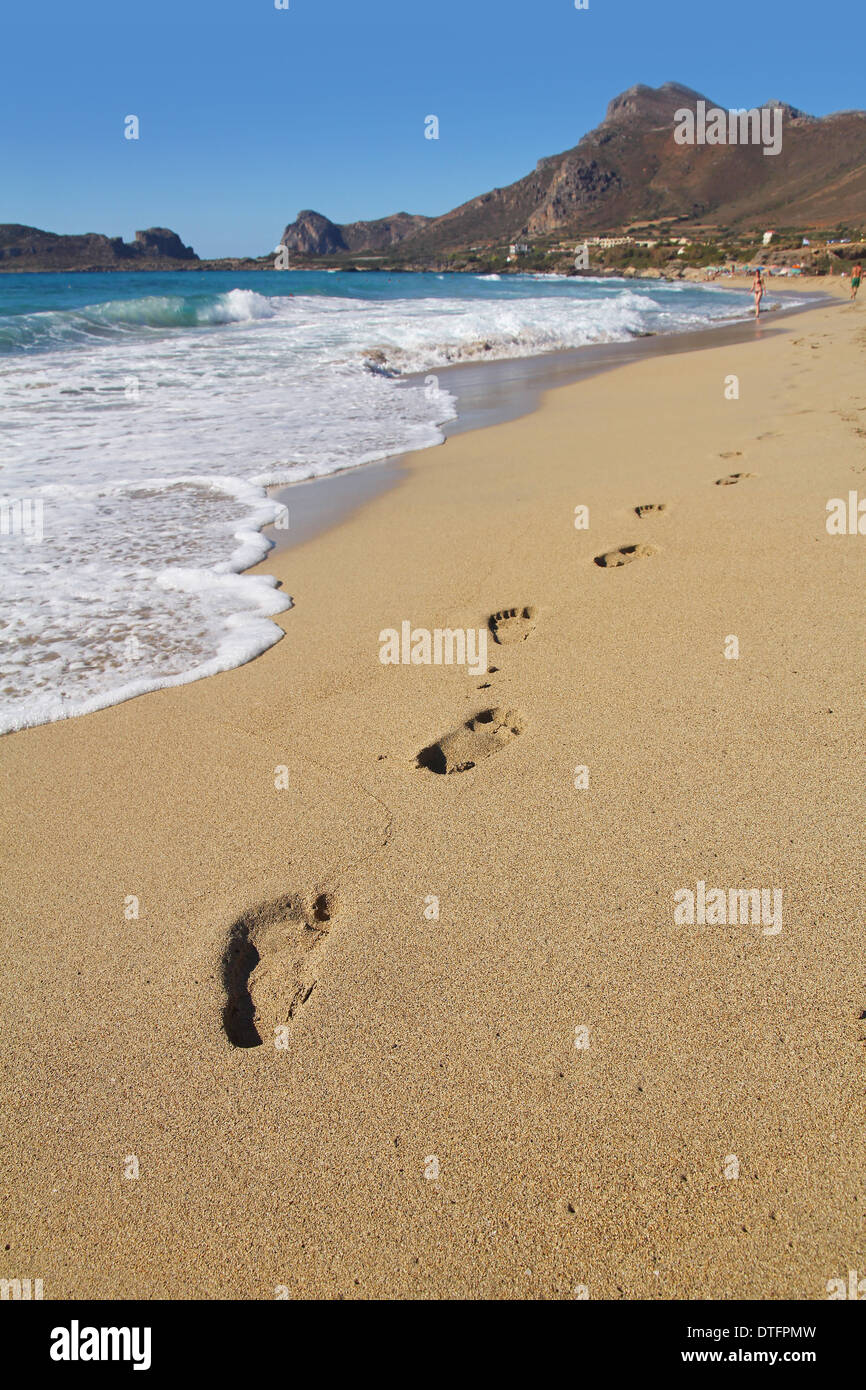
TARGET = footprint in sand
x,y
512,624
477,739
624,555
650,508
733,478
732,454
269,967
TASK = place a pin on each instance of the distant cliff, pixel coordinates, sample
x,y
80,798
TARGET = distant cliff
x,y
311,234
28,248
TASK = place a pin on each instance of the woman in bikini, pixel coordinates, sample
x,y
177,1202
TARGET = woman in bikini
x,y
758,290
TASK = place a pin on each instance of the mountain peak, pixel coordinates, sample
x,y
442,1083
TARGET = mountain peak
x,y
791,113
651,105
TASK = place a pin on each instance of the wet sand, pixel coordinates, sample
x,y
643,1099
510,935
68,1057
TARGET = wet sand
x,y
491,393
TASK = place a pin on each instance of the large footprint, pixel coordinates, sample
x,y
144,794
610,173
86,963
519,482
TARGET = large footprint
x,y
624,556
512,624
733,478
478,738
269,966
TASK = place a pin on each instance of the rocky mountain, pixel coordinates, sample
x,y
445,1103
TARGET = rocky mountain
x,y
28,248
629,169
159,241
311,234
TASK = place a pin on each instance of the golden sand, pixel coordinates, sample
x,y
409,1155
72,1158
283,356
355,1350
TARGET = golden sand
x,y
492,1064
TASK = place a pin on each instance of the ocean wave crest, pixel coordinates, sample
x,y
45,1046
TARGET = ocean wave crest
x,y
122,317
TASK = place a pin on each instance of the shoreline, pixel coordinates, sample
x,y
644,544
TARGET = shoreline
x,y
491,393
285,799
488,392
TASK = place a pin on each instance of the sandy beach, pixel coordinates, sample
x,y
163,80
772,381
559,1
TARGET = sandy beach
x,y
492,1064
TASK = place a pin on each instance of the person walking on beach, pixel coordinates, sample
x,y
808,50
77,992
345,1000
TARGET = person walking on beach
x,y
758,290
855,279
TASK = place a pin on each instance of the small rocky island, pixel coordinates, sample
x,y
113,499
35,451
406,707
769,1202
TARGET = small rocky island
x,y
157,248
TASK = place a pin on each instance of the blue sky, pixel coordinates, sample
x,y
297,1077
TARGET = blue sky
x,y
249,113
